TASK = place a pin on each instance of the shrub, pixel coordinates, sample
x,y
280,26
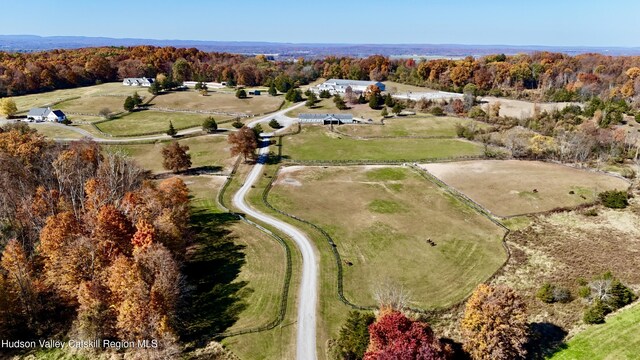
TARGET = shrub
x,y
437,111
549,293
595,314
325,94
637,117
590,212
241,94
66,122
561,294
545,294
614,199
237,124
274,124
209,125
476,112
584,292
621,295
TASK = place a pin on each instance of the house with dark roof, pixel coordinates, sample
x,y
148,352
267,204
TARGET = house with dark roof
x,y
144,82
325,119
46,114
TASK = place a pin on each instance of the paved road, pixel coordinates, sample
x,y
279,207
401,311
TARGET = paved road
x,y
308,292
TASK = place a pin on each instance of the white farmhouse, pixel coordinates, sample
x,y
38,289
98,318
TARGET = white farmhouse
x,y
325,119
144,82
46,114
339,86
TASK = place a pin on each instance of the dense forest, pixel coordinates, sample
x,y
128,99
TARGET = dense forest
x,y
92,248
539,76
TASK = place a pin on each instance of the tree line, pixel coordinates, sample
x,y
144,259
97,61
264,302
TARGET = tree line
x,y
91,247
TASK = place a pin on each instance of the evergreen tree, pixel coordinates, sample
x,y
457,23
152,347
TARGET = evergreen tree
x,y
129,104
172,131
209,125
354,336
272,90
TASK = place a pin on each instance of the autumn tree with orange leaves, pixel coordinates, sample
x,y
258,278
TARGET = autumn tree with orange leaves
x,y
175,157
494,325
244,142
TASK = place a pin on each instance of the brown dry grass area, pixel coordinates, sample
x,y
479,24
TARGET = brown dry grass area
x,y
521,109
512,187
560,248
192,100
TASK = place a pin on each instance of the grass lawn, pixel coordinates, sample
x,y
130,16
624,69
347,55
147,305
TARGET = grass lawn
x,y
381,219
206,151
415,125
91,94
55,132
93,104
513,187
316,142
218,101
256,280
148,121
617,339
327,106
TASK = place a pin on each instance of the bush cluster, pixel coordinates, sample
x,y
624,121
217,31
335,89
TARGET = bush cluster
x,y
614,199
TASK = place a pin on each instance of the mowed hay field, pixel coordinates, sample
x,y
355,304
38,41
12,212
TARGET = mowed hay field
x,y
92,98
415,125
149,121
617,339
316,142
251,280
206,151
217,101
513,187
381,219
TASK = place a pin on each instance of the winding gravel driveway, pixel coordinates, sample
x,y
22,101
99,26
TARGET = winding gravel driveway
x,y
308,292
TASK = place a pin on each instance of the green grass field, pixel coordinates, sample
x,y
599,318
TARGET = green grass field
x,y
318,143
212,151
617,339
415,125
257,285
148,121
381,219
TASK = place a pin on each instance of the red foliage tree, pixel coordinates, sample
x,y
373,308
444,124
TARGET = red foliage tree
x,y
394,336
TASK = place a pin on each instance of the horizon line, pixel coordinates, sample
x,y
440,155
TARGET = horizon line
x,y
327,43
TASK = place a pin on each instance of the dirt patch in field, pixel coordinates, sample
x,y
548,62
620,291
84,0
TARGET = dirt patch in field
x,y
522,109
512,187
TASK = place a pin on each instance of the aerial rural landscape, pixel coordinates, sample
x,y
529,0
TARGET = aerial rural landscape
x,y
269,193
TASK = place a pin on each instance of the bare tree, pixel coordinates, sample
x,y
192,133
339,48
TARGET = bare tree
x,y
389,294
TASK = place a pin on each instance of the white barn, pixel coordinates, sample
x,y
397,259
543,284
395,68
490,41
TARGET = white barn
x,y
144,82
325,119
339,86
46,114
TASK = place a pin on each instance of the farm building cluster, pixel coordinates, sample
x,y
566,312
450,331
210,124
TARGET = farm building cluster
x,y
143,82
340,86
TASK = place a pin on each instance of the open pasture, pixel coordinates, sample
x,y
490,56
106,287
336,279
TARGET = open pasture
x,y
513,187
149,121
391,225
316,142
206,151
415,125
218,101
92,95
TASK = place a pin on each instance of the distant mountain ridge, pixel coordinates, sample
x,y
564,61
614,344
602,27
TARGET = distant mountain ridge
x,y
31,43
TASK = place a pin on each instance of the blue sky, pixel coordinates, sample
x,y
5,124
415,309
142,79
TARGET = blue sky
x,y
541,22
